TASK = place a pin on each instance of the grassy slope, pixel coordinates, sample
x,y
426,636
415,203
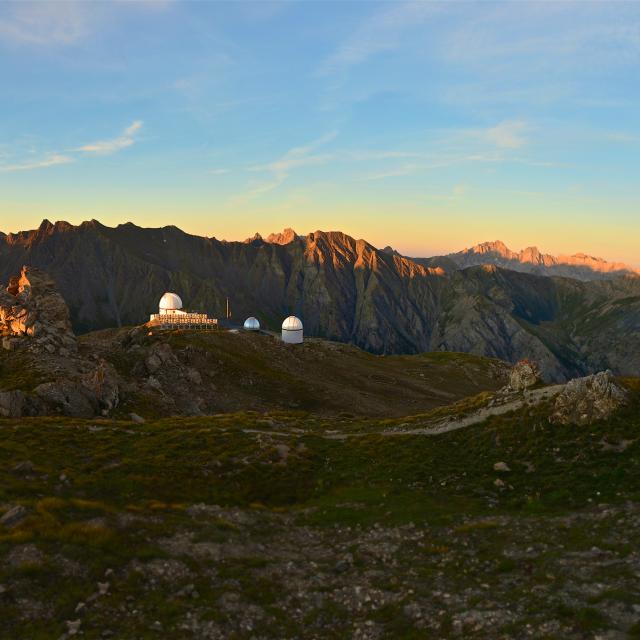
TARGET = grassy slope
x,y
257,372
155,470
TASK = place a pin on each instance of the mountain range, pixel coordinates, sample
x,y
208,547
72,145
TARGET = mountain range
x,y
531,260
482,300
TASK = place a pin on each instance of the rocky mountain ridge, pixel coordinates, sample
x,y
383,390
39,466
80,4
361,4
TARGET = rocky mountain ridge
x,y
532,260
344,289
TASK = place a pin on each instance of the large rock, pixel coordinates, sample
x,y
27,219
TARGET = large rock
x,y
523,375
12,403
102,383
68,398
31,309
587,400
14,516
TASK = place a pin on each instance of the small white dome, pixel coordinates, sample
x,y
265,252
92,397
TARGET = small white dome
x,y
292,324
170,302
252,324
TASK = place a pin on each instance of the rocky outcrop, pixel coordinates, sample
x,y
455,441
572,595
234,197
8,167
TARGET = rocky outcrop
x,y
35,320
12,403
523,375
85,389
589,399
34,314
103,384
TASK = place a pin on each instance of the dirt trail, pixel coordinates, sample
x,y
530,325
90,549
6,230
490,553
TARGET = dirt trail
x,y
447,424
452,424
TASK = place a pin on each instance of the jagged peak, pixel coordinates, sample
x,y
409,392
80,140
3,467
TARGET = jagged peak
x,y
256,238
286,237
491,244
92,224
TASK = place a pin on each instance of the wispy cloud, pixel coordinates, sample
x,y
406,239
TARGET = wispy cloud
x,y
281,168
381,32
105,147
218,172
62,24
507,135
50,160
54,158
43,23
454,147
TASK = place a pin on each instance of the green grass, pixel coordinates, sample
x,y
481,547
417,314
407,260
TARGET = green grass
x,y
445,483
214,460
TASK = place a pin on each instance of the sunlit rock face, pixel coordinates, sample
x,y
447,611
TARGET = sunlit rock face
x,y
532,260
35,321
33,313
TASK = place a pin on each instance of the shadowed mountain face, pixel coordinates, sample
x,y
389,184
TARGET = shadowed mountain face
x,y
343,289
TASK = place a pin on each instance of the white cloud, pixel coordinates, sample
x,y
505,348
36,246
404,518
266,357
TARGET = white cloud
x,y
105,147
54,158
217,172
507,135
49,160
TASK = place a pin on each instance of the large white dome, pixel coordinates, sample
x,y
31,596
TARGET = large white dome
x,y
170,302
292,324
252,324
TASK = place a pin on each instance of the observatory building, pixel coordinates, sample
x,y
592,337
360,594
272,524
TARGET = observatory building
x,y
171,315
252,324
292,330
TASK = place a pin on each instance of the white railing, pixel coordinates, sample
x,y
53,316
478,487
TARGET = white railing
x,y
182,321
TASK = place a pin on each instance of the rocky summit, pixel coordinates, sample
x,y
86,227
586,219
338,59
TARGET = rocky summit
x,y
33,313
344,289
44,371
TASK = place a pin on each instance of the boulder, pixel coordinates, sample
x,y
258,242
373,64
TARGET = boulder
x,y
589,399
523,375
14,516
102,382
12,403
68,398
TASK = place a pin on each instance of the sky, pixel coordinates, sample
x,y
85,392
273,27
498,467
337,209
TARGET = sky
x,y
428,126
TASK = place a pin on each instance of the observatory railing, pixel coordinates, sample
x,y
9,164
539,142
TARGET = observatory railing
x,y
182,321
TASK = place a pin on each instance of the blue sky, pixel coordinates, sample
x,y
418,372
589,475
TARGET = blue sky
x,y
426,125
